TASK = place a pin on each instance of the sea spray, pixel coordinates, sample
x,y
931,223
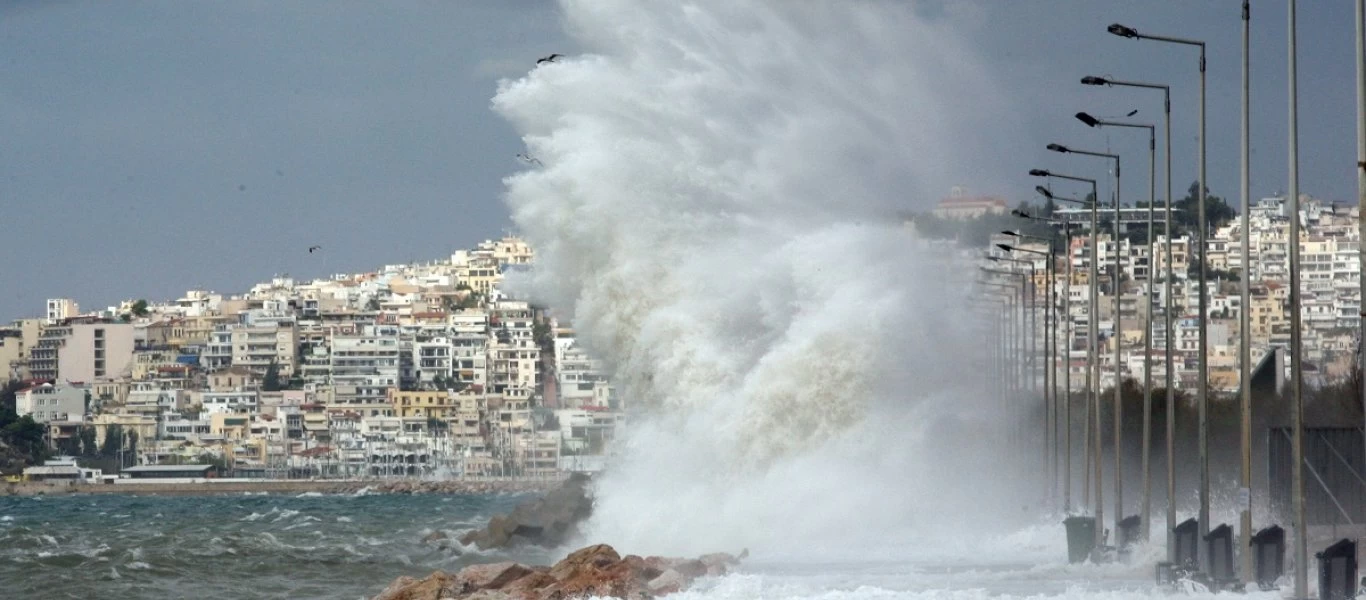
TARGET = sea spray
x,y
716,209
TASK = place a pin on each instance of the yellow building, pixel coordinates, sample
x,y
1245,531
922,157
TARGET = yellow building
x,y
229,425
145,426
431,404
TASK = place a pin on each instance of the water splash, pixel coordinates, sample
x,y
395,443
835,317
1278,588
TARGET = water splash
x,y
716,203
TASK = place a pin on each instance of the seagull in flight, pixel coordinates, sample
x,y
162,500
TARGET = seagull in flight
x,y
531,160
312,248
549,59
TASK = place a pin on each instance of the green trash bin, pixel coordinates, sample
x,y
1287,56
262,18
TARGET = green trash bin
x,y
1081,538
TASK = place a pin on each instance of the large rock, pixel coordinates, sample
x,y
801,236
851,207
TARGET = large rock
x,y
549,521
428,588
592,571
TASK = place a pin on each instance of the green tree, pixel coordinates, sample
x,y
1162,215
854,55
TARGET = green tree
x,y
1184,211
133,445
271,382
70,446
373,304
88,446
113,441
7,395
26,435
139,308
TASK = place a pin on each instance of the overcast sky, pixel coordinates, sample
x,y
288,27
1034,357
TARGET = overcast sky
x,y
151,147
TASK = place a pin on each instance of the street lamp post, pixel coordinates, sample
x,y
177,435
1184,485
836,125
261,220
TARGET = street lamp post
x,y
1093,368
1167,310
1202,388
1018,347
1066,350
1049,349
1026,306
1245,319
1296,365
1146,467
1118,338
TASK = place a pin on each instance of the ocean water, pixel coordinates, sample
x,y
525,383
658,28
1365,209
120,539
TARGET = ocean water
x,y
231,547
350,547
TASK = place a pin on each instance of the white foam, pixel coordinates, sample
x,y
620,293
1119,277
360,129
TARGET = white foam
x,y
716,210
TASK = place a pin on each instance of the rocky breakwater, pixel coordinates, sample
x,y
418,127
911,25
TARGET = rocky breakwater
x,y
596,571
452,486
550,521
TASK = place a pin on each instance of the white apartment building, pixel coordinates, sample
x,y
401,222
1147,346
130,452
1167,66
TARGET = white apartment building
x,y
48,402
363,367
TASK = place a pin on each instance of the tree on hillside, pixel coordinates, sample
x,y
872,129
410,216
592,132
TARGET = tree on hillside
x,y
1184,211
113,441
271,382
88,446
7,395
26,435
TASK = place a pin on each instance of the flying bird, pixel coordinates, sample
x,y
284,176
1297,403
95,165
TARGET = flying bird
x,y
548,59
312,248
531,160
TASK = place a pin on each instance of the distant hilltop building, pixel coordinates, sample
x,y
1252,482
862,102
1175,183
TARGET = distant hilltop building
x,y
959,206
61,308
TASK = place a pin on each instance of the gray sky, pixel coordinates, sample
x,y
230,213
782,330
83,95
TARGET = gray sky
x,y
151,147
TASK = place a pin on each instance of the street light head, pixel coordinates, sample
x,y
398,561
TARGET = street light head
x,y
1043,191
993,258
1093,80
1058,148
1039,173
1089,120
1006,247
1019,213
1011,233
1122,31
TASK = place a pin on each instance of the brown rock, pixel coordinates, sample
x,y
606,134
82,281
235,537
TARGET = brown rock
x,y
489,577
529,586
590,558
668,582
691,568
428,588
592,571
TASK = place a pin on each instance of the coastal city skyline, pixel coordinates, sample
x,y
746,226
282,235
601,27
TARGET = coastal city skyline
x,y
293,153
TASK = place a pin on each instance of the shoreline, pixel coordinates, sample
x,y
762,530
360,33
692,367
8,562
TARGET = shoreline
x,y
280,486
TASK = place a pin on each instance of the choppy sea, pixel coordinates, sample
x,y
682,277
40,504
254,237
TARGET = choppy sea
x,y
350,547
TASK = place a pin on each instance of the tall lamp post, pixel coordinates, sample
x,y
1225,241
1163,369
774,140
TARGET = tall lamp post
x,y
1027,347
1167,310
1093,369
1202,388
1296,365
1049,349
1065,312
1118,338
1031,324
1244,316
1146,467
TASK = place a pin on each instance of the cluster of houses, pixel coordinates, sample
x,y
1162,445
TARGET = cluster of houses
x,y
413,370
1330,278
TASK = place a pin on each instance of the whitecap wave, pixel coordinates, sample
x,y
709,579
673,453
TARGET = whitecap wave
x,y
717,210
